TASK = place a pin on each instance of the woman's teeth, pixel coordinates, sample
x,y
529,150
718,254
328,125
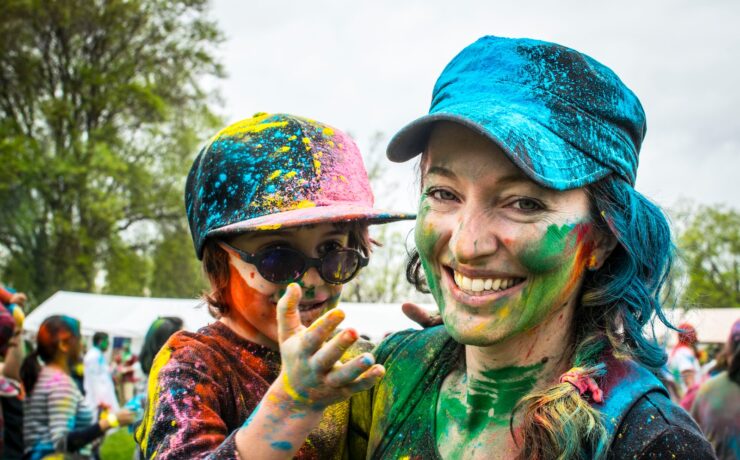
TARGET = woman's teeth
x,y
484,284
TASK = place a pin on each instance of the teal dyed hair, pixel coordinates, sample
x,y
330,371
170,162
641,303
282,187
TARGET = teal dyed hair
x,y
617,302
624,295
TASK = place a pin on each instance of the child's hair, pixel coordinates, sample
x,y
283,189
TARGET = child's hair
x,y
159,331
53,331
216,264
616,303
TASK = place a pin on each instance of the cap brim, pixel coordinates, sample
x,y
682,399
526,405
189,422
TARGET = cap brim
x,y
311,216
559,168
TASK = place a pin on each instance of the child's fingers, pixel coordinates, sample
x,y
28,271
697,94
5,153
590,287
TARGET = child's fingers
x,y
346,373
367,379
329,354
318,332
288,317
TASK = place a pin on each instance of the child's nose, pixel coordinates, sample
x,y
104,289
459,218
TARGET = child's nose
x,y
312,278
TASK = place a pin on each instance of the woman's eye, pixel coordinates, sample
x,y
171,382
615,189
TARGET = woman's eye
x,y
441,194
527,204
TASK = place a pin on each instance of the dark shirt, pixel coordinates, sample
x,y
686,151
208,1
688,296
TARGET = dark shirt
x,y
401,423
202,388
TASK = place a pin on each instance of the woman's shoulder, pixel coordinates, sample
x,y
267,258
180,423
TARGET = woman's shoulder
x,y
412,344
655,427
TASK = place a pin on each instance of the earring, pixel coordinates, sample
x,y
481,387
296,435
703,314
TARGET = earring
x,y
593,263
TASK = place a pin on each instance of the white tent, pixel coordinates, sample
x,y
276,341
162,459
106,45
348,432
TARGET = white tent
x,y
125,316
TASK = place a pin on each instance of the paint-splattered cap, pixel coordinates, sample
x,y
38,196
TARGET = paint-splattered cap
x,y
277,170
563,118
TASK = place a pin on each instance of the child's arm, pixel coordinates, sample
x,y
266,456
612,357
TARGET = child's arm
x,y
311,379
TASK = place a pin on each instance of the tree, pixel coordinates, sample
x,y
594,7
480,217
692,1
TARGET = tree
x,y
709,244
102,107
384,279
176,270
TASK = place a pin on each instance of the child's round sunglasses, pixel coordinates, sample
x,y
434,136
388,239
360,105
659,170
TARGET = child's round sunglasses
x,y
287,265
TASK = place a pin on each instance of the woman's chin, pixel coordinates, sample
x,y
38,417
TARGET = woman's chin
x,y
475,330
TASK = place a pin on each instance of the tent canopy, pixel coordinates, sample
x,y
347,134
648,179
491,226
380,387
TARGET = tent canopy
x,y
124,316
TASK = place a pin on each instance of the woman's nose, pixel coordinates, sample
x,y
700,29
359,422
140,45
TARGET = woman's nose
x,y
473,238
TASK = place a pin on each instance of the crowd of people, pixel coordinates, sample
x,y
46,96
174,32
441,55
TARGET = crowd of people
x,y
546,265
59,399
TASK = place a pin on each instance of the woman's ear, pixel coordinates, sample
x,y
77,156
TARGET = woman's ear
x,y
604,244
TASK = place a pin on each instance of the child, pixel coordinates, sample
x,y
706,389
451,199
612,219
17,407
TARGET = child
x,y
271,200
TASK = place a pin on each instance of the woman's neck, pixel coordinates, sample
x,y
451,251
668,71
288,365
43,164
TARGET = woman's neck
x,y
61,363
503,373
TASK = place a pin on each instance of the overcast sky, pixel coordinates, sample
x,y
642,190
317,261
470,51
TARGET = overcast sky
x,y
369,66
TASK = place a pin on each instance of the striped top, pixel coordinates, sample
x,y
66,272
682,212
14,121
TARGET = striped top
x,y
53,409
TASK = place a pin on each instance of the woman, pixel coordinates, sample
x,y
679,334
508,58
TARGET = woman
x,y
56,417
546,266
279,208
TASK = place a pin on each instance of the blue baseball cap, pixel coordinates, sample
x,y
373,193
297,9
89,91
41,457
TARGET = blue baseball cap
x,y
562,117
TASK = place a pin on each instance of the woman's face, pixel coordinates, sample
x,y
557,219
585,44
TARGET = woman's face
x,y
500,252
253,299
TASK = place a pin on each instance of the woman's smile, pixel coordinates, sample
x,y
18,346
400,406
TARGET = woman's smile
x,y
478,291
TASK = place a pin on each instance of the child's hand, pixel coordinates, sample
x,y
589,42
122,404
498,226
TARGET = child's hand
x,y
311,375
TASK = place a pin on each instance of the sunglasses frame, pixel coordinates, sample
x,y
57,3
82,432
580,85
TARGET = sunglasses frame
x,y
309,262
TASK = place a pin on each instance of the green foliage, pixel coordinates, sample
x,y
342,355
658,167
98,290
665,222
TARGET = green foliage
x,y
710,250
177,272
118,446
102,110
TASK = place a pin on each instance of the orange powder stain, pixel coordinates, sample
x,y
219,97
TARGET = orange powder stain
x,y
242,299
583,253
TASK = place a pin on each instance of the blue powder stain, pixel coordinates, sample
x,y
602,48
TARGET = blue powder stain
x,y
281,445
222,177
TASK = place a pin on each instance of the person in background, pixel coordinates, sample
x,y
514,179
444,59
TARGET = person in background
x,y
159,331
11,352
98,381
57,419
716,407
156,336
683,361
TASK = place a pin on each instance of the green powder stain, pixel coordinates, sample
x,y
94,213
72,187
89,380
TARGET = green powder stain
x,y
425,241
548,255
484,402
552,266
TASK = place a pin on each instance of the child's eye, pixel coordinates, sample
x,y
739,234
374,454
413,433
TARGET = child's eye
x,y
328,246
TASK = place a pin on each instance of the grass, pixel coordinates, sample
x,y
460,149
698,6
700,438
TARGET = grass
x,y
118,446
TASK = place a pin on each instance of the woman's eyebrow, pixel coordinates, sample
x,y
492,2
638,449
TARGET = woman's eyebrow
x,y
440,171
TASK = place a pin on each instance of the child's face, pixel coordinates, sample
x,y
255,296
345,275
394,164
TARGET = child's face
x,y
253,299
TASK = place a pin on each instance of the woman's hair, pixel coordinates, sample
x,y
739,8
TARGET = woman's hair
x,y
616,303
52,332
216,264
159,331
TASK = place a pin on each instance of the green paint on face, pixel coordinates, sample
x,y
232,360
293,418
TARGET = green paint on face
x,y
426,239
548,254
552,263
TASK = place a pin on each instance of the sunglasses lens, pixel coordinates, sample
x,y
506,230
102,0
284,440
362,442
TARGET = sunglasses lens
x,y
281,266
340,266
